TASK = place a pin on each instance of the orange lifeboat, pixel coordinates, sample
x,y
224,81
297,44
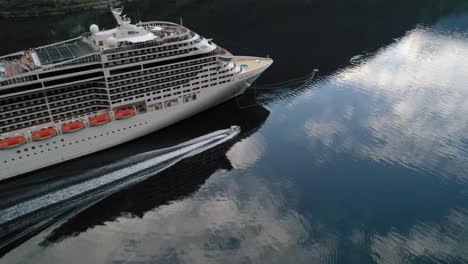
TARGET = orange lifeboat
x,y
125,113
12,142
73,126
44,134
99,120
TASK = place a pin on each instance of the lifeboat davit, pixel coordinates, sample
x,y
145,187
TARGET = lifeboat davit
x,y
125,113
73,126
12,142
99,120
44,134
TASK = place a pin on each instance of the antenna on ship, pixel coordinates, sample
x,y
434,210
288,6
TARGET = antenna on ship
x,y
181,21
138,15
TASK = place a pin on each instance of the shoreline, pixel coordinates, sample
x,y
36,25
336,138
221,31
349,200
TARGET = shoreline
x,y
52,11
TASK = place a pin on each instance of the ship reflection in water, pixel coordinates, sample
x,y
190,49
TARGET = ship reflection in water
x,y
65,205
112,178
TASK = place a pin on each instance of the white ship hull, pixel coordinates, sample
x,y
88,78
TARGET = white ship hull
x,y
39,154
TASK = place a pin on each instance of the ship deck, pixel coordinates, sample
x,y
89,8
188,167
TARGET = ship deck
x,y
252,63
54,54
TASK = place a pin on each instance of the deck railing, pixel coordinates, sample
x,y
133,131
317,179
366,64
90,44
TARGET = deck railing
x,y
148,44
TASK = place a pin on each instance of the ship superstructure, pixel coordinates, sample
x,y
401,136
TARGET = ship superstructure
x,y
107,87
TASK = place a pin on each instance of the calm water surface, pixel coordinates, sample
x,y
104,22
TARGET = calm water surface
x,y
365,164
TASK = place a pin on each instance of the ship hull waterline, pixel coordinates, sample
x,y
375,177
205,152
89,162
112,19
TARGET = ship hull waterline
x,y
64,147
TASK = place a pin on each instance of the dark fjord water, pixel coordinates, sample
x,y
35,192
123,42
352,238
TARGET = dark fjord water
x,y
365,164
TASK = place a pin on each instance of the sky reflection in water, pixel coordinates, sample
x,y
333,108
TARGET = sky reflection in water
x,y
403,113
406,105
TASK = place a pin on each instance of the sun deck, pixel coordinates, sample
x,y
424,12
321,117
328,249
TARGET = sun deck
x,y
251,63
55,54
14,68
33,59
21,64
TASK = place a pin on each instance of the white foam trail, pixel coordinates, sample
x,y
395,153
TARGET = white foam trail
x,y
170,155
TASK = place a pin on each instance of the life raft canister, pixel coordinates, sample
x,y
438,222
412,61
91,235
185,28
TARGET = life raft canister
x,y
43,134
73,126
125,113
99,120
12,142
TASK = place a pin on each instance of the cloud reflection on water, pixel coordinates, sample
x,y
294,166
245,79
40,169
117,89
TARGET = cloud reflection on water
x,y
407,106
244,220
434,242
415,107
235,217
248,151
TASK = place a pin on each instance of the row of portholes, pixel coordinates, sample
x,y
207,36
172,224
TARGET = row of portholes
x,y
69,143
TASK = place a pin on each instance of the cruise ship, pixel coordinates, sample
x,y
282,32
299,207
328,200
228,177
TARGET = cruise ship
x,y
69,99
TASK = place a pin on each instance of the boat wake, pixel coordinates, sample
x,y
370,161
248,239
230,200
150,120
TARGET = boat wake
x,y
28,217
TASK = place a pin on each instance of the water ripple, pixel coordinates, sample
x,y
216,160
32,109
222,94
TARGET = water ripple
x,y
413,106
443,242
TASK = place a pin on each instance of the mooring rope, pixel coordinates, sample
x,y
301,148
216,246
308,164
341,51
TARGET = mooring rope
x,y
279,85
289,82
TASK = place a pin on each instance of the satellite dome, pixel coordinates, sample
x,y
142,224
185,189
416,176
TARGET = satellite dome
x,y
111,42
94,28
